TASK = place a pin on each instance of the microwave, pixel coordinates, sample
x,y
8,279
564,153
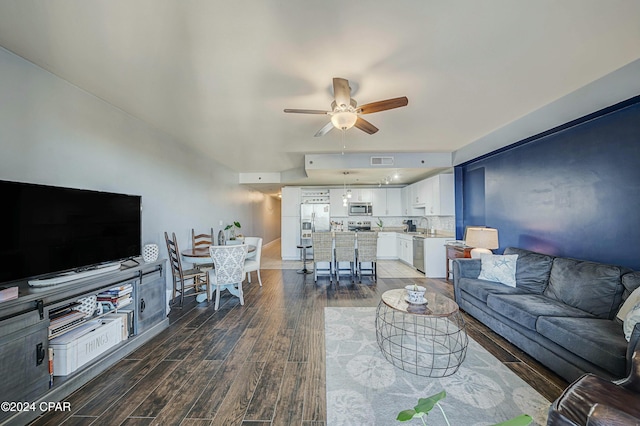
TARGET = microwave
x,y
360,209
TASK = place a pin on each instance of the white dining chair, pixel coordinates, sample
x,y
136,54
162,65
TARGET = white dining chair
x,y
228,271
252,262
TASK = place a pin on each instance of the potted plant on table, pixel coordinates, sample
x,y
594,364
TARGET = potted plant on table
x,y
233,238
380,224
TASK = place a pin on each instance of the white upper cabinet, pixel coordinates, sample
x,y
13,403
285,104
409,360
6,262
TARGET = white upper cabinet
x,y
418,193
364,195
379,203
439,196
335,202
290,204
394,202
387,202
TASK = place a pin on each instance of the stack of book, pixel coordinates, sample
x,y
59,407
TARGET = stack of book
x,y
117,297
63,319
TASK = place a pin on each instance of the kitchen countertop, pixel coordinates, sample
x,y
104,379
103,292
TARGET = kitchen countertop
x,y
438,234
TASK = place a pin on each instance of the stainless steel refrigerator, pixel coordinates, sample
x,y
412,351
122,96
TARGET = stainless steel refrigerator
x,y
313,218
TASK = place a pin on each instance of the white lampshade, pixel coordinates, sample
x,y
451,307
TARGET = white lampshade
x,y
483,240
344,120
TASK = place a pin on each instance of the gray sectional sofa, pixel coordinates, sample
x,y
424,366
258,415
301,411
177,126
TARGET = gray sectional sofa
x,y
562,311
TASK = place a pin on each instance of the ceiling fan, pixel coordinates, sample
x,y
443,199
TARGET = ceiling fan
x,y
345,112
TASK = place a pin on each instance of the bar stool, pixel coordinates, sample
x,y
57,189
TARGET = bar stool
x,y
345,251
322,253
303,248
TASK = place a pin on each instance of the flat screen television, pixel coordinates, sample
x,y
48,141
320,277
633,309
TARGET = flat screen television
x,y
48,230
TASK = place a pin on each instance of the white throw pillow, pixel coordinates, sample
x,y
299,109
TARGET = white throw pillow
x,y
630,321
499,268
631,301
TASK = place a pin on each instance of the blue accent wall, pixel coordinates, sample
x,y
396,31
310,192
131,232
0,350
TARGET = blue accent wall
x,y
572,192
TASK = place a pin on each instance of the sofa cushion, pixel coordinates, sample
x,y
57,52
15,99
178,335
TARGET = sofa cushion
x,y
533,269
599,341
526,308
501,269
593,287
481,289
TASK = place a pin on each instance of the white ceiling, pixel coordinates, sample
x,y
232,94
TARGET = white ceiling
x,y
217,75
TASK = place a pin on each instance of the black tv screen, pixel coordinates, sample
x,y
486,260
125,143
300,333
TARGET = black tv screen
x,y
48,229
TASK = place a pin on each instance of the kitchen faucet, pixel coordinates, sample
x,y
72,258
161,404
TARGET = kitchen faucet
x,y
426,229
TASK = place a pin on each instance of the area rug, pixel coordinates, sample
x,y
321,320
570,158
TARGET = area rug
x,y
363,388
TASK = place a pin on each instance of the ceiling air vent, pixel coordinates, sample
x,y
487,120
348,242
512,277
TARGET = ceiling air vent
x,y
382,161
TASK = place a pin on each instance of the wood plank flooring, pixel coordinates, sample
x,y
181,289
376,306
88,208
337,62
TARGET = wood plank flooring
x,y
254,365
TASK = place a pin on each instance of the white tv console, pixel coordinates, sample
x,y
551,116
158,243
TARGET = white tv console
x,y
24,333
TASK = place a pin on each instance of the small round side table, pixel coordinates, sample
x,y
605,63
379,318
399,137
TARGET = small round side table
x,y
304,269
426,339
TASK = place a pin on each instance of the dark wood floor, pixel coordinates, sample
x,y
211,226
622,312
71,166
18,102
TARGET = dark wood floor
x,y
257,364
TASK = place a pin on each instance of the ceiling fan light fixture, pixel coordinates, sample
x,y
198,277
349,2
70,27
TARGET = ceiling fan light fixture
x,y
344,120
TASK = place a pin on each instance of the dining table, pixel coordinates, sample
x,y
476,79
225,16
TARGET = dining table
x,y
200,256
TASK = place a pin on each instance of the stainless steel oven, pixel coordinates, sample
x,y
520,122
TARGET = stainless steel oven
x,y
360,209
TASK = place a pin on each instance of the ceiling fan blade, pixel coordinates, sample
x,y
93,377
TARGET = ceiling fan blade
x,y
341,91
326,129
383,105
365,126
306,111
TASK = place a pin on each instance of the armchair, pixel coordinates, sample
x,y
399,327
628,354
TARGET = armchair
x,y
594,401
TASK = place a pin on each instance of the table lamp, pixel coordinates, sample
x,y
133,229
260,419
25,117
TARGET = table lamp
x,y
483,240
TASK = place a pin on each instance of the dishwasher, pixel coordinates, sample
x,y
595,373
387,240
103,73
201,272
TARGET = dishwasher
x,y
418,253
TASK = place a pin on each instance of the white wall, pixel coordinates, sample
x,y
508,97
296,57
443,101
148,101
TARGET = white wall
x,y
54,133
266,217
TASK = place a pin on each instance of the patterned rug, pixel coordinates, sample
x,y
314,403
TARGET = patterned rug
x,y
363,388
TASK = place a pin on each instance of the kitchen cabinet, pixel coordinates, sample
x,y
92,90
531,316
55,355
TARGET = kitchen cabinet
x,y
405,248
386,202
290,204
407,196
430,197
387,245
394,202
379,203
362,195
435,257
418,193
335,203
438,193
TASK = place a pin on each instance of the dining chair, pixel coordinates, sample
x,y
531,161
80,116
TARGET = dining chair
x,y
252,262
322,243
228,270
202,241
367,252
345,251
199,280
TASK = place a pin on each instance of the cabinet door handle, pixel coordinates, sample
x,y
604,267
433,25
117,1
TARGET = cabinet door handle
x,y
40,353
142,305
